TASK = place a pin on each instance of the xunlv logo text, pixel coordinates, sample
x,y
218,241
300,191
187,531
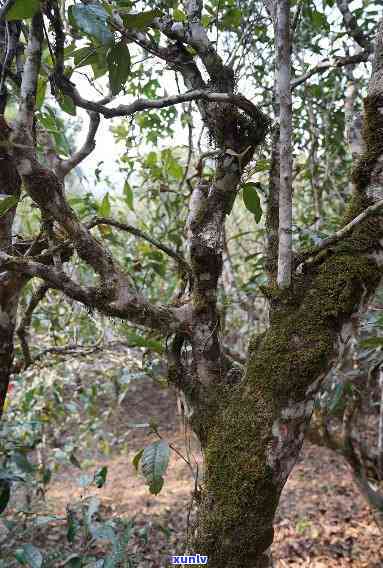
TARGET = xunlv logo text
x,y
194,559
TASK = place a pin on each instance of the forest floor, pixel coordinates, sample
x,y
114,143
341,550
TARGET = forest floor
x,y
322,521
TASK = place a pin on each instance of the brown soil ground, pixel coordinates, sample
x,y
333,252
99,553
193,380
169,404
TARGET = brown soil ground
x,y
322,520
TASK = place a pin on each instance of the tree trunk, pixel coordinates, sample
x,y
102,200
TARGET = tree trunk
x,y
252,432
257,428
11,284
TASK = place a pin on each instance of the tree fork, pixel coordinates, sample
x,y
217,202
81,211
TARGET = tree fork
x,y
255,430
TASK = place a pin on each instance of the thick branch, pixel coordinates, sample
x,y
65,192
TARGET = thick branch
x,y
130,305
145,104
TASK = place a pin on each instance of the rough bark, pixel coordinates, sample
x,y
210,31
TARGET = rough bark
x,y
11,284
254,430
283,48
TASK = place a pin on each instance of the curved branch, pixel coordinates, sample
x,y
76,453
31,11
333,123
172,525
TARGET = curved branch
x,y
129,305
66,166
134,231
344,231
373,497
140,105
25,324
352,27
327,64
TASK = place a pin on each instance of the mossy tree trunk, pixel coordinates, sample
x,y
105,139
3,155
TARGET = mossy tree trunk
x,y
256,429
252,432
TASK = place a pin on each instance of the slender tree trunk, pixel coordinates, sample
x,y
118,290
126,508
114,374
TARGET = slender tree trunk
x,y
11,284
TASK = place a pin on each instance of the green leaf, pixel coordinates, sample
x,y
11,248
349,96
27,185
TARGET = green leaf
x,y
372,342
22,462
128,194
139,21
319,20
137,458
206,20
5,494
154,463
151,160
66,104
119,65
136,340
7,202
72,527
251,200
23,9
179,15
100,476
105,207
6,475
30,556
336,398
83,55
92,19
232,18
175,169
156,486
41,90
73,561
262,166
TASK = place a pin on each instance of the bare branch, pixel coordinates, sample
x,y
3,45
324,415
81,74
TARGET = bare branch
x,y
64,167
346,230
134,231
352,27
327,64
25,324
140,105
71,349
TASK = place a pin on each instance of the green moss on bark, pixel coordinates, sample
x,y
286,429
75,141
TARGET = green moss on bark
x,y
243,484
241,491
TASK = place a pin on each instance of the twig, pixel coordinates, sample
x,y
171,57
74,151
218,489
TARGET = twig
x,y
25,324
325,243
138,233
